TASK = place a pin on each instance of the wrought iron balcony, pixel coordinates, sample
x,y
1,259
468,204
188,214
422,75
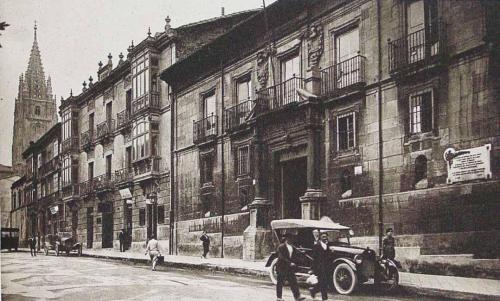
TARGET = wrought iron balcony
x,y
49,166
69,145
279,96
104,182
86,140
123,120
420,48
147,103
86,188
205,129
236,115
348,73
105,130
149,166
51,198
70,190
124,175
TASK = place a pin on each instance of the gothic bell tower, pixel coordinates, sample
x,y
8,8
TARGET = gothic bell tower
x,y
35,106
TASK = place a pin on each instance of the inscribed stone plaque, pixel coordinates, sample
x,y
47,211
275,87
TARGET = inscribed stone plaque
x,y
468,164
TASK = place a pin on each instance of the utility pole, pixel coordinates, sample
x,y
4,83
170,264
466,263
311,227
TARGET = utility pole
x,y
380,137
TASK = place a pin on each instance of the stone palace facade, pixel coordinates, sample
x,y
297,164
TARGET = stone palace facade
x,y
301,110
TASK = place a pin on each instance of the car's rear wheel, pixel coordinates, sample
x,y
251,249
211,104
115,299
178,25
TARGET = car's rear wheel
x,y
344,279
272,272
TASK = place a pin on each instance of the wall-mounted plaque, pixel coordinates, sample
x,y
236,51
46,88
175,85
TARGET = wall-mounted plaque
x,y
468,164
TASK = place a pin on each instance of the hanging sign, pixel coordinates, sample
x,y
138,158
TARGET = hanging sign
x,y
468,164
125,194
54,209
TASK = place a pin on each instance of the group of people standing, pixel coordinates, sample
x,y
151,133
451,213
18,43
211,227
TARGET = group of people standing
x,y
321,265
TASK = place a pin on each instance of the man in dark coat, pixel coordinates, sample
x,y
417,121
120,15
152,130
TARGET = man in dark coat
x,y
121,238
285,269
206,243
388,243
32,243
321,266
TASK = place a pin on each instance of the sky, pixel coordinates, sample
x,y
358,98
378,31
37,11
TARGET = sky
x,y
73,36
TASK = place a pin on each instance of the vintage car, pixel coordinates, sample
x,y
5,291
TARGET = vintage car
x,y
10,238
61,242
350,265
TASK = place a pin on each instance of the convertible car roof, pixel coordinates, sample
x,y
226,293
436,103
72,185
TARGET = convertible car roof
x,y
323,224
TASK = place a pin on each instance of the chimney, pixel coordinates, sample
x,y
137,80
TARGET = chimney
x,y
222,11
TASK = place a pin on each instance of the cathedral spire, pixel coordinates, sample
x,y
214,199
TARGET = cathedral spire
x,y
35,77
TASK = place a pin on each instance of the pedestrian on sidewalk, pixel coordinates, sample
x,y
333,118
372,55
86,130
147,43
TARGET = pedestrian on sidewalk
x,y
206,243
285,268
321,266
388,247
121,238
154,251
32,243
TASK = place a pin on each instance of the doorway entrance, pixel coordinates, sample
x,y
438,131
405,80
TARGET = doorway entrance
x,y
107,224
90,227
293,185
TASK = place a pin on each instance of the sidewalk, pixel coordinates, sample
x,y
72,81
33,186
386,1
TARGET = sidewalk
x,y
423,284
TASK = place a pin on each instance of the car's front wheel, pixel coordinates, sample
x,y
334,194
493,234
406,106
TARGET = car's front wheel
x,y
272,272
344,279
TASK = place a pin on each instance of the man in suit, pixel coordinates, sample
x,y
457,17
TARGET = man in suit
x,y
321,266
206,243
121,238
285,269
32,243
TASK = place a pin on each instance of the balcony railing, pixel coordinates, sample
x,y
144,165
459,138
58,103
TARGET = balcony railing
x,y
123,120
70,190
86,188
149,101
148,166
69,145
49,166
342,75
103,182
279,96
124,175
205,129
105,129
236,115
419,47
51,198
86,139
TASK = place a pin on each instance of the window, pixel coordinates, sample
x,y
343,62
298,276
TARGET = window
x,y
142,217
420,168
37,110
91,171
421,112
209,104
243,160
290,68
140,142
161,214
206,169
55,149
108,167
346,132
345,183
55,183
91,124
66,125
243,89
140,76
66,171
421,28
347,68
39,162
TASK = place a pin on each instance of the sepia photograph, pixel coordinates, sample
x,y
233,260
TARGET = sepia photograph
x,y
250,150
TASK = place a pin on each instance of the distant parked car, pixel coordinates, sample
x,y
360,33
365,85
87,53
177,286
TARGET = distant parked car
x,y
62,242
10,238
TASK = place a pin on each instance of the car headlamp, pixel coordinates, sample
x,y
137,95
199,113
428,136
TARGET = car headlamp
x,y
358,259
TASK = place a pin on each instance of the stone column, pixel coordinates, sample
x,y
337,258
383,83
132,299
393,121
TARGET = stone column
x,y
313,80
257,236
